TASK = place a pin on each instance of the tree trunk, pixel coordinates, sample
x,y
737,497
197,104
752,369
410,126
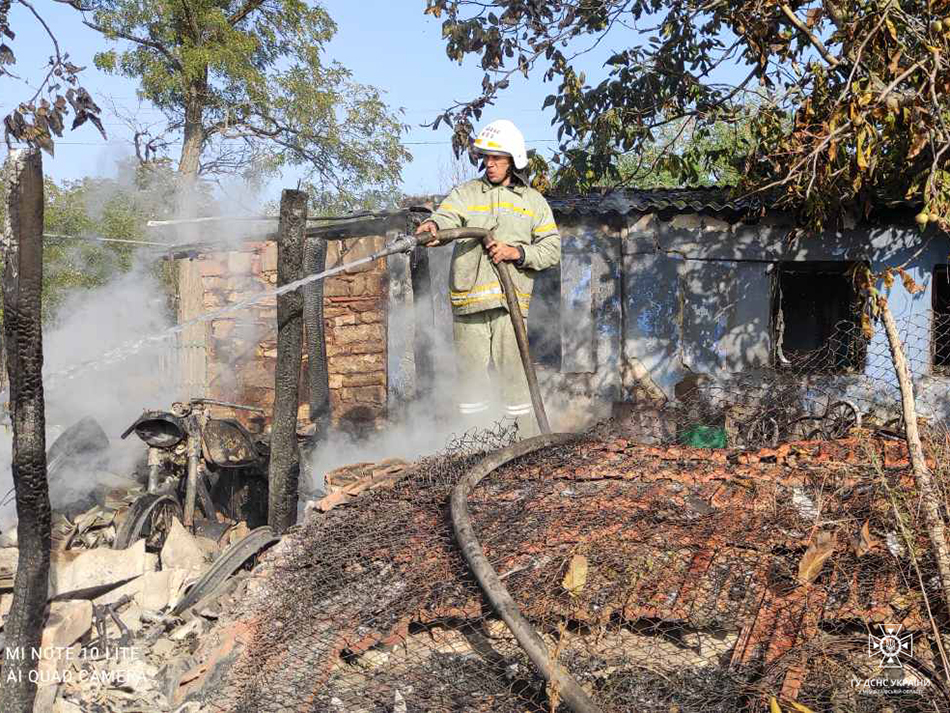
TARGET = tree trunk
x,y
284,471
189,162
928,492
23,330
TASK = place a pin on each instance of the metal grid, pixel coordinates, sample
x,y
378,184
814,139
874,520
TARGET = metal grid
x,y
664,577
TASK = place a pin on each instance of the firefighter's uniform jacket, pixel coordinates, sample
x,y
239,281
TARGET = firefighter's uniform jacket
x,y
520,216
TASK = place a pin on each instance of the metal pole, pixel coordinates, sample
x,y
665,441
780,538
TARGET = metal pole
x,y
154,468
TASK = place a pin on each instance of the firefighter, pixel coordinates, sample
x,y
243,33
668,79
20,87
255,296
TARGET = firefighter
x,y
526,237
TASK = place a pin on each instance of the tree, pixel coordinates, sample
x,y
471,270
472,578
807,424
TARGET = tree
x,y
245,85
85,224
89,208
676,158
852,94
41,116
453,171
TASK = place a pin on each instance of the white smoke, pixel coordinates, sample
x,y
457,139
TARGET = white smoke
x,y
427,426
93,322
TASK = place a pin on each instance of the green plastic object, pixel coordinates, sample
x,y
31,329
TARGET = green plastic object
x,y
704,437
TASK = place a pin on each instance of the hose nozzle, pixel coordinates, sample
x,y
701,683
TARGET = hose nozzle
x,y
402,244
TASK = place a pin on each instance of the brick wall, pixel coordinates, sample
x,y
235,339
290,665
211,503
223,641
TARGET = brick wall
x,y
241,348
354,307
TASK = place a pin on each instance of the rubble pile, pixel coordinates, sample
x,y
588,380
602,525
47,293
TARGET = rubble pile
x,y
111,641
123,625
662,578
742,574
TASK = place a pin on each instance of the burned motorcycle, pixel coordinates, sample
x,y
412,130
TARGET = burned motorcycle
x,y
196,462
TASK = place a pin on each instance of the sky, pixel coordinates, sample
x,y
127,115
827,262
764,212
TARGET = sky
x,y
390,45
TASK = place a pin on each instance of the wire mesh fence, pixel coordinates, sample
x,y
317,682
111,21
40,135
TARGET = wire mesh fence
x,y
764,545
847,382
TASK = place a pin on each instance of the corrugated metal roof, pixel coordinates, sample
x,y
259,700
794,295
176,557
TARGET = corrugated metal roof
x,y
630,200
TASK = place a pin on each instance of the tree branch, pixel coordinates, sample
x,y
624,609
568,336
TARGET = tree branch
x,y
138,40
834,12
77,4
818,45
890,87
249,7
45,27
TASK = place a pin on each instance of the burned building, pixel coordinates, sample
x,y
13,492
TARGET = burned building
x,y
658,291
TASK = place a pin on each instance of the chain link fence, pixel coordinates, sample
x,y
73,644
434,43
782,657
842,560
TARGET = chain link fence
x,y
754,543
847,382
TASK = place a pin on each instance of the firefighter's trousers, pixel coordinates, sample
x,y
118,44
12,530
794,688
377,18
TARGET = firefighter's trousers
x,y
485,338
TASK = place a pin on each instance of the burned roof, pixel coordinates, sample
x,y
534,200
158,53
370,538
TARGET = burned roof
x,y
686,561
722,201
656,200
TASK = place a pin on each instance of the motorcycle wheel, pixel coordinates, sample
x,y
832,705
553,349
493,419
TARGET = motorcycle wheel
x,y
150,516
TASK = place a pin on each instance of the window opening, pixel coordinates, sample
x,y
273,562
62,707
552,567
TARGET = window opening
x,y
940,304
817,319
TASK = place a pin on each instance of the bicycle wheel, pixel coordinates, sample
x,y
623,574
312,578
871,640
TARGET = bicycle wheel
x,y
839,418
763,432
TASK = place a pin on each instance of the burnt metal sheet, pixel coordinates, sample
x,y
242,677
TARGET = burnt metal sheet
x,y
399,333
361,225
440,264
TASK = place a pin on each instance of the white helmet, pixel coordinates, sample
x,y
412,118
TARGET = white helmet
x,y
502,137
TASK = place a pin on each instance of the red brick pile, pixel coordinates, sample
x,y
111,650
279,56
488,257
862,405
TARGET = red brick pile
x,y
780,548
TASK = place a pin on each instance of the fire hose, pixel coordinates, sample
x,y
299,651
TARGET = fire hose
x,y
533,645
406,243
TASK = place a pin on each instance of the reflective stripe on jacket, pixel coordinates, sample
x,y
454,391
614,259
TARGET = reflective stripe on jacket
x,y
520,216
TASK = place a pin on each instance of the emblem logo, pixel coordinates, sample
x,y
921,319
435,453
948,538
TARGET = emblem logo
x,y
891,645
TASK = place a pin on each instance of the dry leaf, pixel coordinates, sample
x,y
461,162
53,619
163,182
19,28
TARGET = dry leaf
x,y
909,283
892,30
814,558
576,576
859,150
864,543
918,141
894,65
